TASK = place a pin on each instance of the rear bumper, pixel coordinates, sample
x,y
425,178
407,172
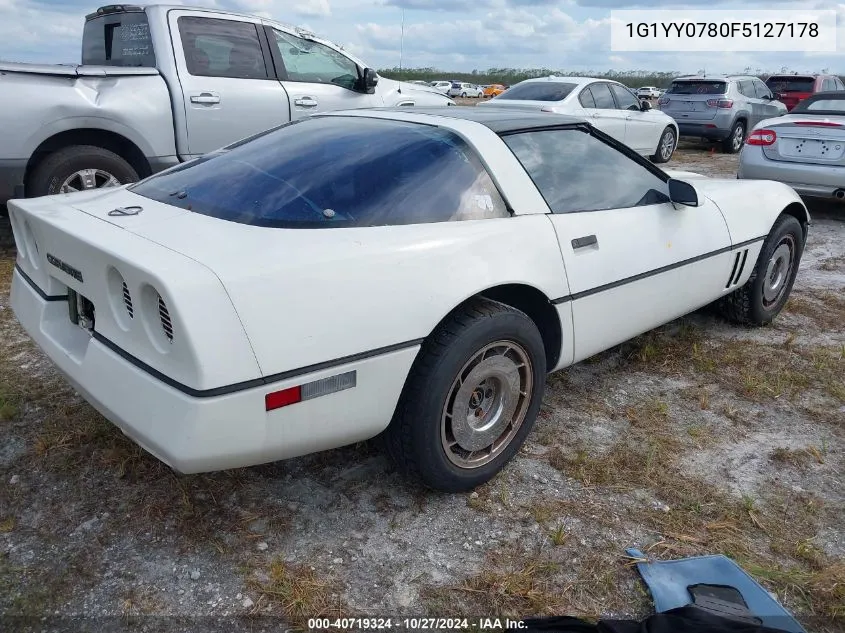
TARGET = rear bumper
x,y
807,180
11,179
703,130
199,434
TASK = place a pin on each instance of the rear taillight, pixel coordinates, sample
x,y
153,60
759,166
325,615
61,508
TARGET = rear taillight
x,y
720,103
663,101
762,137
819,123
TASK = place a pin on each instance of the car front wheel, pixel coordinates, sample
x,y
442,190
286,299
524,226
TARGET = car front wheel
x,y
471,398
765,293
666,146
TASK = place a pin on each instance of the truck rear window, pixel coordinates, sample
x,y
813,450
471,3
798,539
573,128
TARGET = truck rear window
x,y
332,171
698,88
118,39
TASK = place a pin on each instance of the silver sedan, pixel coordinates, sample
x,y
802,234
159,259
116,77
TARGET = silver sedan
x,y
804,149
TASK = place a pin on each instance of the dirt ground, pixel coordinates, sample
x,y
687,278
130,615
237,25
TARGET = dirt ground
x,y
697,438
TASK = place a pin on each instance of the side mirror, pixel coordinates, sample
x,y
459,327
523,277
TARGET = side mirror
x,y
645,106
369,81
681,192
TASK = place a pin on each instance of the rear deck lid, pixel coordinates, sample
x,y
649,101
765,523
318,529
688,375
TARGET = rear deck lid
x,y
694,99
802,138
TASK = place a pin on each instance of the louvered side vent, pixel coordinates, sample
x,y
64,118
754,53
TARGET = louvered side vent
x,y
739,266
164,317
127,301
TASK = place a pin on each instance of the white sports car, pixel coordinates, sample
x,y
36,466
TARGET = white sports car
x,y
414,274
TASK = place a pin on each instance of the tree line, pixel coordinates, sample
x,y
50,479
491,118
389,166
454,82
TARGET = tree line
x,y
510,76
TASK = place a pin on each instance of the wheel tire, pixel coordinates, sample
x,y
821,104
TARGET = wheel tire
x,y
748,305
417,433
463,95
733,143
53,171
658,156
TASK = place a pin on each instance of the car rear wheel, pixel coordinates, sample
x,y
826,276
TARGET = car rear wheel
x,y
79,168
463,95
471,398
765,293
666,146
733,143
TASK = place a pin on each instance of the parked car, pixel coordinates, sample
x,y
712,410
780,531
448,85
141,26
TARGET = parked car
x,y
441,86
648,92
457,299
493,90
792,89
804,149
610,106
464,90
164,84
720,108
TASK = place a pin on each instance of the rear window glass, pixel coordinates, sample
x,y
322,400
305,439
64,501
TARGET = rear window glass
x,y
325,172
790,84
698,88
120,39
821,106
538,91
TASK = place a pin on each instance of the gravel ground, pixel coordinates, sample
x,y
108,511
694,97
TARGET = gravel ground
x,y
697,438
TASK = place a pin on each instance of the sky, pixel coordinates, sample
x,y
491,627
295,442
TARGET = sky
x,y
459,35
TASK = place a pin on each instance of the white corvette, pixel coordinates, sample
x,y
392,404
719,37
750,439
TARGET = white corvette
x,y
411,273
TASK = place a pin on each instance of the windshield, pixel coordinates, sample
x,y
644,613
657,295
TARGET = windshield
x,y
331,171
698,88
538,91
790,84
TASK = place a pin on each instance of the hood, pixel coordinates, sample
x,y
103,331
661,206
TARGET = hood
x,y
683,175
394,92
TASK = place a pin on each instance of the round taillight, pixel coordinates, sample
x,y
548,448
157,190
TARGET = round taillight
x,y
762,138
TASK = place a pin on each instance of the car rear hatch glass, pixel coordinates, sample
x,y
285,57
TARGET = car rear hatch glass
x,y
329,171
808,139
536,91
790,89
118,38
693,99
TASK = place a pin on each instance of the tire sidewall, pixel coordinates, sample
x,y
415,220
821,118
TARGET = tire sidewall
x,y
787,225
730,142
53,181
442,473
658,157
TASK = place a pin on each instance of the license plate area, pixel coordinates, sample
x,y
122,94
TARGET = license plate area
x,y
812,148
80,311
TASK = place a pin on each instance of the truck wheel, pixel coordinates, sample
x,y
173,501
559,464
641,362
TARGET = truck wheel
x,y
471,397
78,168
733,143
765,293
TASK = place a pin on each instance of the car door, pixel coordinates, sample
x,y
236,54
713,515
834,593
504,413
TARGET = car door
x,y
758,108
599,108
640,127
633,260
227,83
316,77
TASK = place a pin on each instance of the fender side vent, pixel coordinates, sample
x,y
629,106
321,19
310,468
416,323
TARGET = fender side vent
x,y
739,266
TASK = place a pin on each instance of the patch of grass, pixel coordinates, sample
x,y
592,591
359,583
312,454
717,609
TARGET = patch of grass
x,y
559,535
832,263
826,309
298,593
7,525
801,457
8,408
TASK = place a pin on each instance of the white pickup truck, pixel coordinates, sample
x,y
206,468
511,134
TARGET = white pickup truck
x,y
160,85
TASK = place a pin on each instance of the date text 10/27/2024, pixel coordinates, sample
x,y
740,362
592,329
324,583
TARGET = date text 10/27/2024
x,y
411,624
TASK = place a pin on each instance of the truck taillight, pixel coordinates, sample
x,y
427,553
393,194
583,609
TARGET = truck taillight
x,y
762,137
720,103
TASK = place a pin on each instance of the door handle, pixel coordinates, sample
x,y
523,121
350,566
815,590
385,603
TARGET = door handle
x,y
583,242
305,102
206,98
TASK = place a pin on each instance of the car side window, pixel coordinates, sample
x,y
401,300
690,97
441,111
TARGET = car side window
x,y
571,169
586,99
746,88
762,90
827,85
625,100
222,48
312,62
603,97
839,84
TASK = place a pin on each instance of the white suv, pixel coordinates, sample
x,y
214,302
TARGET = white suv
x,y
441,86
464,90
648,92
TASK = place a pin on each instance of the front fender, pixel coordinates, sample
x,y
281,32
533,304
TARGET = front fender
x,y
750,207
